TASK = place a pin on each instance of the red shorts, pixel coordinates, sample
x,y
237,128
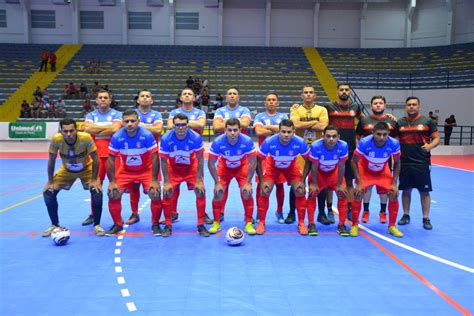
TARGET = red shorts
x,y
227,174
179,174
382,180
281,179
327,179
291,175
125,180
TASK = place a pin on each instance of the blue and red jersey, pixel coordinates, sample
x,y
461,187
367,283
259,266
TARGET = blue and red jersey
x,y
233,156
135,152
181,152
283,156
103,119
151,118
266,119
192,115
328,159
374,158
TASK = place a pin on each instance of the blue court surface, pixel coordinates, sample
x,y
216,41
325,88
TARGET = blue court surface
x,y
279,273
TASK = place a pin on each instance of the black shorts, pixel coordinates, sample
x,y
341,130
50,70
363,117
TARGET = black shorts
x,y
415,176
349,175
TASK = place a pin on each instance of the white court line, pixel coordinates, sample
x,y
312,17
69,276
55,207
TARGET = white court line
x,y
120,280
131,307
433,201
417,251
453,168
118,269
117,260
117,251
125,292
118,244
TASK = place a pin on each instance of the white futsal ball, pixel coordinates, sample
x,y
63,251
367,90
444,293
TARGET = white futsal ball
x,y
60,236
234,236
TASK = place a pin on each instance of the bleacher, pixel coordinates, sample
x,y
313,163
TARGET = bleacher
x,y
403,68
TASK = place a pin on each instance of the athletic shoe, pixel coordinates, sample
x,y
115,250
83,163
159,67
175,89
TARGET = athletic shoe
x,y
99,231
207,219
156,229
383,217
393,230
322,218
349,215
115,229
312,231
175,217
49,230
134,218
222,217
365,216
260,228
331,217
202,230
290,219
427,224
302,229
215,227
342,230
167,231
354,231
249,229
279,217
404,220
88,221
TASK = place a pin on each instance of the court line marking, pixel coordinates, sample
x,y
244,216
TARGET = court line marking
x,y
20,203
471,171
430,285
22,187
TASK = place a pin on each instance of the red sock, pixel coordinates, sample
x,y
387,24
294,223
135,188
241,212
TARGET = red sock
x,y
134,199
224,199
342,208
392,212
300,202
280,193
168,209
311,203
356,205
258,197
262,207
217,210
115,209
201,209
156,210
175,199
248,207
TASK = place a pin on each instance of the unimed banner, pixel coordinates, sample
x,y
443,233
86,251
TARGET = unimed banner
x,y
34,130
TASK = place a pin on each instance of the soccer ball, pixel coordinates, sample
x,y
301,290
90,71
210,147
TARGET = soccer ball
x,y
60,236
234,236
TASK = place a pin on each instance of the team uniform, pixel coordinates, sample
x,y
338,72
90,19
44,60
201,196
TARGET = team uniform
x,y
238,112
151,118
282,161
328,161
232,163
76,162
316,113
192,115
102,142
182,167
415,163
365,127
135,167
374,170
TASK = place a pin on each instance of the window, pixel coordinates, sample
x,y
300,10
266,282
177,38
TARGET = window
x,y
3,18
139,20
92,20
187,20
43,19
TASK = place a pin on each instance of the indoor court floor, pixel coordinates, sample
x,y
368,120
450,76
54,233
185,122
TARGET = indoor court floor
x,y
279,273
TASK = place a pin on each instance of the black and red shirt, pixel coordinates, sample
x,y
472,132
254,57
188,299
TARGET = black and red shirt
x,y
344,116
367,123
413,134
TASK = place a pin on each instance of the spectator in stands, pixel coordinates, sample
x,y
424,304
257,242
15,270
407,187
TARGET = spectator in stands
x,y
36,109
83,91
66,91
114,103
106,87
197,86
178,103
433,117
219,101
135,100
190,82
449,123
51,110
95,89
52,60
205,101
72,90
38,93
60,108
44,60
25,110
86,107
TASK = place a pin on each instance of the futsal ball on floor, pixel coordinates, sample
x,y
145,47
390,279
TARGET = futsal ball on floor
x,y
60,236
234,236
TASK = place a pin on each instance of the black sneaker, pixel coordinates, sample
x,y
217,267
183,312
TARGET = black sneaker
x,y
322,218
175,217
290,219
88,221
167,231
134,218
156,229
115,229
331,218
207,219
342,230
312,231
405,220
427,224
202,230
222,217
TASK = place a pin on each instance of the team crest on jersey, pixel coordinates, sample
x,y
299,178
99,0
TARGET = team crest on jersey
x,y
192,117
148,119
187,148
139,144
239,152
385,154
291,152
109,118
419,127
335,157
